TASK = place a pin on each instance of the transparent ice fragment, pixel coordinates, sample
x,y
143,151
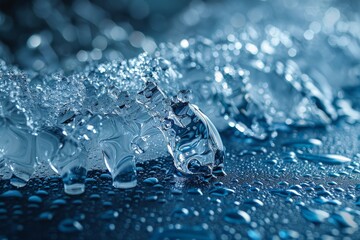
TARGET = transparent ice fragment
x,y
116,136
191,138
20,156
17,144
66,157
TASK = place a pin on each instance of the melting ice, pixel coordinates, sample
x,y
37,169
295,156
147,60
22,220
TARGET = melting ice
x,y
175,99
113,110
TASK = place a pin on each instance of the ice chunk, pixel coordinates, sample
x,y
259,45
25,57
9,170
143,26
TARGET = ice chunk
x,y
68,159
191,138
15,134
116,139
19,152
122,140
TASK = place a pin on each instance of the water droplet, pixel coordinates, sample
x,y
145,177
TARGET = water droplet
x,y
35,199
12,194
314,215
254,202
151,181
46,216
70,226
288,234
344,219
331,159
303,143
237,217
195,191
221,191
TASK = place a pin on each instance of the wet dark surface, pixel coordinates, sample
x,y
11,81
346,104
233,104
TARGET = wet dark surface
x,y
280,195
303,184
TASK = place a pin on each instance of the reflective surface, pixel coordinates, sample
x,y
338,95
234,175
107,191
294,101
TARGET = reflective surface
x,y
272,189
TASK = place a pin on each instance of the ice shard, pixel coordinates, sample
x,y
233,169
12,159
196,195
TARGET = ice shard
x,y
191,138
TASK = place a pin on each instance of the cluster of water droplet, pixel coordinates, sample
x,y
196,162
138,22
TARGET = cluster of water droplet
x,y
115,110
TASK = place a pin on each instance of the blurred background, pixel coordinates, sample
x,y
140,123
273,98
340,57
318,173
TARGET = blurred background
x,y
52,35
35,34
60,34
